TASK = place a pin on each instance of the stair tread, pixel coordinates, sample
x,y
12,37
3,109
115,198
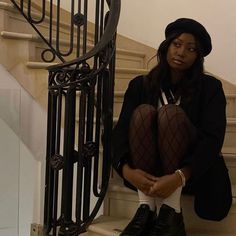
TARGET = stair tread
x,y
6,5
11,7
108,225
112,226
43,65
35,37
117,186
231,120
231,151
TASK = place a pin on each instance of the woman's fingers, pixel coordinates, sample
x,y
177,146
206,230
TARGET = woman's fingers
x,y
147,175
165,186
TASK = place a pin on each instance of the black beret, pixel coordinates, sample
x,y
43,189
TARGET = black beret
x,y
191,26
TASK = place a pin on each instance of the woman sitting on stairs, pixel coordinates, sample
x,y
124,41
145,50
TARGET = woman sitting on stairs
x,y
169,136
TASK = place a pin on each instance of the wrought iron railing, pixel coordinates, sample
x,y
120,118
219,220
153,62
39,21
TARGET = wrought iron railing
x,y
81,92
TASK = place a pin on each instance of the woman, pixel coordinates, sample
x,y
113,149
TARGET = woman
x,y
169,136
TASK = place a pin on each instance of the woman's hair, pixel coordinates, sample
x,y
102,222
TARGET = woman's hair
x,y
159,77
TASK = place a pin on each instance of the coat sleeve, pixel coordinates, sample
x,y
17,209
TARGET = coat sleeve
x,y
120,139
211,128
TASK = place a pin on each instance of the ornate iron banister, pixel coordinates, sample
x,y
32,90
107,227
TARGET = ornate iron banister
x,y
80,110
106,37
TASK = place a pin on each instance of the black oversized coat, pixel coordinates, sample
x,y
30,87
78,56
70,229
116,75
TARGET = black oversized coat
x,y
210,182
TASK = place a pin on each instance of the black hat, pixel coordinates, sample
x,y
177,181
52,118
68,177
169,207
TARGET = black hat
x,y
191,26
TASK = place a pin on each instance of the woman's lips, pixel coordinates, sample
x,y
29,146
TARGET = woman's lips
x,y
178,62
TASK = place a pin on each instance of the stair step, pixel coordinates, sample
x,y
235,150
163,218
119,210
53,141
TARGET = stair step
x,y
230,152
43,65
112,226
123,57
230,110
107,226
39,65
122,77
231,105
230,135
6,6
15,22
125,74
122,202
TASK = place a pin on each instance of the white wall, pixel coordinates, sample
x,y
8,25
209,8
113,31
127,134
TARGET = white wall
x,y
23,147
145,21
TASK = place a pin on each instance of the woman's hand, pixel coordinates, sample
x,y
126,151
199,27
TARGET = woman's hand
x,y
165,186
139,178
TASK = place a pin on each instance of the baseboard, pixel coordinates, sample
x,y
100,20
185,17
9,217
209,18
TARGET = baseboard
x,y
36,230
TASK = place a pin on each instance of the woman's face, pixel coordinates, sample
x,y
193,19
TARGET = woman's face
x,y
182,52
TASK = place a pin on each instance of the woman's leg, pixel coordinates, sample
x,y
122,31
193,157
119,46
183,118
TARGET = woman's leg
x,y
142,139
143,145
144,157
175,135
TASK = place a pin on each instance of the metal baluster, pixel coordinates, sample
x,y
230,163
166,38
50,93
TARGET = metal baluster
x,y
43,13
49,178
80,173
68,153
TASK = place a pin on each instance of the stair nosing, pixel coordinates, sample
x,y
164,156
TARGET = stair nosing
x,y
36,38
115,186
36,64
11,7
231,121
7,6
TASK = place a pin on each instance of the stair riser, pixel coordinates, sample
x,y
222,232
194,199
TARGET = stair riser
x,y
16,23
230,110
123,59
230,136
231,165
231,106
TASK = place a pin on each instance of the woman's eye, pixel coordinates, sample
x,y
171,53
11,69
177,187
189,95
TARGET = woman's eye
x,y
176,44
192,49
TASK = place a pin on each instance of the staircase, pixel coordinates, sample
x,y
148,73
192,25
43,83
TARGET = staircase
x,y
20,54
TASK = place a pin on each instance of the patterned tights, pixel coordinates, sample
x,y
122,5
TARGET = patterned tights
x,y
159,139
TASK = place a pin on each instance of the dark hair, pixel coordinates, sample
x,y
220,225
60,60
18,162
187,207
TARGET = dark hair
x,y
159,77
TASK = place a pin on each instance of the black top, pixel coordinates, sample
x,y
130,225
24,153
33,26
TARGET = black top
x,y
206,111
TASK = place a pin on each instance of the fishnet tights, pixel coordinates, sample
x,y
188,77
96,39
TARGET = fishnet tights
x,y
159,138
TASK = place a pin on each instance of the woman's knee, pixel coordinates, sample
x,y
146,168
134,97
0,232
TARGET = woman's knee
x,y
144,113
171,113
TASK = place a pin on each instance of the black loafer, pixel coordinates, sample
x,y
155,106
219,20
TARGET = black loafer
x,y
168,223
139,223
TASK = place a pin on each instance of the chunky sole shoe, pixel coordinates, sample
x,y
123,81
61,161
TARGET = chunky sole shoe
x,y
139,223
168,223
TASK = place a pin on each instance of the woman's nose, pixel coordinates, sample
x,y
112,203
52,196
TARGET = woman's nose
x,y
181,51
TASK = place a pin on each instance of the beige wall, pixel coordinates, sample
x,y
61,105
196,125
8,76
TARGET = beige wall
x,y
148,19
145,21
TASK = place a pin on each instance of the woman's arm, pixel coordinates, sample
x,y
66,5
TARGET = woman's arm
x,y
211,128
120,139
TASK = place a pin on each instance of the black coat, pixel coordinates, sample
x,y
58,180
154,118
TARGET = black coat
x,y
210,182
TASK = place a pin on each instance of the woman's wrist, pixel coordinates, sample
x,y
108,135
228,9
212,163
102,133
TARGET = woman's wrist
x,y
183,175
126,171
